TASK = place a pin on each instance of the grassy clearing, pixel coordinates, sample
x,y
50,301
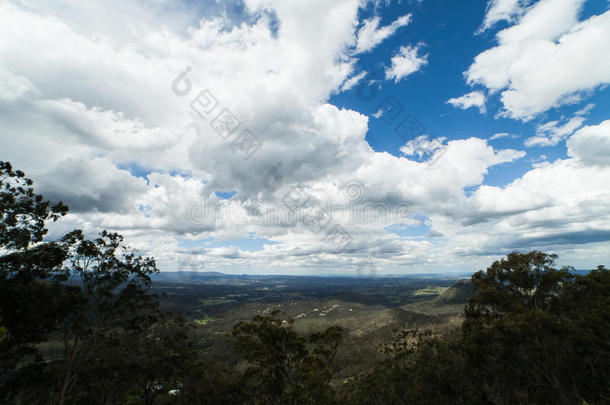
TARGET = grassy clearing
x,y
203,321
430,291
208,302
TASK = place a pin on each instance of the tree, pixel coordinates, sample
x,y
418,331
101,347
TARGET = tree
x,y
521,283
419,369
136,365
110,298
530,326
89,295
532,333
285,367
584,307
23,213
27,305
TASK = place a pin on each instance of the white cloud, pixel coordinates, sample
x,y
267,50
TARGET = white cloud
x,y
586,109
405,62
94,185
501,135
472,99
502,10
546,60
591,144
352,81
422,146
530,212
553,132
378,113
13,86
95,122
370,35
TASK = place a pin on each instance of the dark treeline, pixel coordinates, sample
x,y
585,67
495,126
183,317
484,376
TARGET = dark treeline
x,y
78,325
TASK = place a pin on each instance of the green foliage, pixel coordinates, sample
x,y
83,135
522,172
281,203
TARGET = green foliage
x,y
420,369
90,297
532,334
110,302
283,366
29,308
538,334
23,213
519,284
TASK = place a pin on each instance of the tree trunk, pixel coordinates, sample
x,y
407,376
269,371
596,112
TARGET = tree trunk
x,y
68,376
64,388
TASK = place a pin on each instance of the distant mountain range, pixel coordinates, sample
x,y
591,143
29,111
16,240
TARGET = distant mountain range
x,y
207,274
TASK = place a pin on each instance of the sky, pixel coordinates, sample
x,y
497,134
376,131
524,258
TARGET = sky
x,y
316,137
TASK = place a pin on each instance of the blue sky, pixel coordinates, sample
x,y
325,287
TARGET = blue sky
x,y
310,137
448,31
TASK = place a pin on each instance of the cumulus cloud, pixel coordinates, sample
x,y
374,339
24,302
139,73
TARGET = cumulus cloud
x,y
591,144
530,211
547,59
406,61
472,99
95,123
